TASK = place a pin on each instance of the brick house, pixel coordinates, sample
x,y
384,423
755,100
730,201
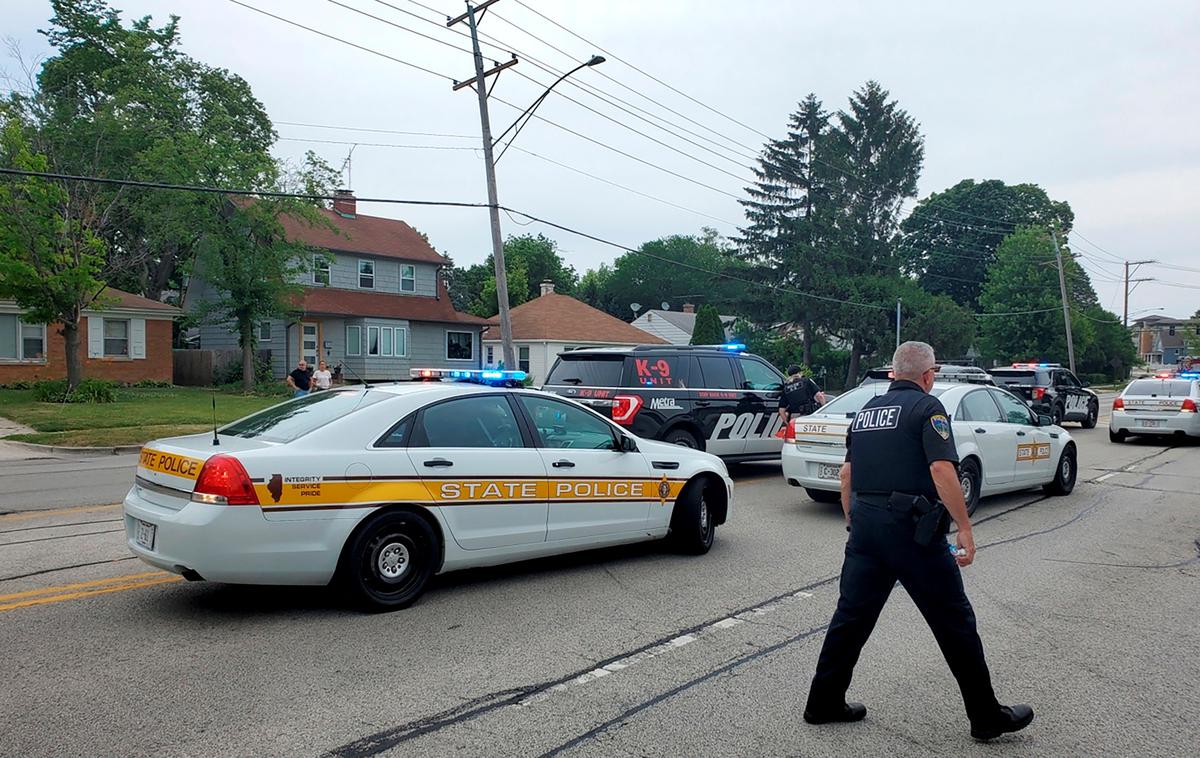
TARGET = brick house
x,y
127,339
551,324
375,303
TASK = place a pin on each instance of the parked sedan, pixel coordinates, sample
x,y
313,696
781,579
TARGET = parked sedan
x,y
1002,445
1161,406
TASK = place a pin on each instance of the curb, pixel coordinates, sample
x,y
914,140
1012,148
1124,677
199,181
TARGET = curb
x,y
33,447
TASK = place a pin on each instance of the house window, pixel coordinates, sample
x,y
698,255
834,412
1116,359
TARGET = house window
x,y
264,331
33,342
372,340
354,340
385,340
460,346
366,274
491,356
320,268
408,278
116,338
523,358
1171,330
21,342
401,342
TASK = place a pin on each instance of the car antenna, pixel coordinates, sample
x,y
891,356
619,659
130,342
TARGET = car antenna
x,y
365,385
216,440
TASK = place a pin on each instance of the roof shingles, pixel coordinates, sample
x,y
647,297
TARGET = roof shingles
x,y
562,318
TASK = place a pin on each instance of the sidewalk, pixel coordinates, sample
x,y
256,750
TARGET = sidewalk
x,y
11,451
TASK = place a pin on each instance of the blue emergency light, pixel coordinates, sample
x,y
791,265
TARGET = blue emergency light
x,y
1189,374
479,376
734,346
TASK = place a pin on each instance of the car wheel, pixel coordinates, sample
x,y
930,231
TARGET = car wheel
x,y
1057,415
1092,415
388,562
1064,475
969,478
692,525
683,438
823,496
1117,436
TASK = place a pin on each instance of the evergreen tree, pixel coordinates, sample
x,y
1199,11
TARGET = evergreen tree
x,y
707,329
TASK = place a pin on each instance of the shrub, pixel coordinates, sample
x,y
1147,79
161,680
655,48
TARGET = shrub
x,y
151,384
23,384
88,391
231,373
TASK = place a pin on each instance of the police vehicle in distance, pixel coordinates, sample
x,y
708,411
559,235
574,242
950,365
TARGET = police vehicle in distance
x,y
716,398
946,372
1002,445
380,487
1052,390
1165,405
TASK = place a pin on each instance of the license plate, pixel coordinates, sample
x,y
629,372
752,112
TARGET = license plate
x,y
1149,423
828,471
143,534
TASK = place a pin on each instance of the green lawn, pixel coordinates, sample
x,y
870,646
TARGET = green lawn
x,y
138,415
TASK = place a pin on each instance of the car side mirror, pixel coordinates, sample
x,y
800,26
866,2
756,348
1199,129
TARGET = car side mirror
x,y
1085,384
624,444
1044,420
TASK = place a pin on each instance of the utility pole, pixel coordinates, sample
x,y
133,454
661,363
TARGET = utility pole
x,y
1062,286
897,323
1128,289
480,84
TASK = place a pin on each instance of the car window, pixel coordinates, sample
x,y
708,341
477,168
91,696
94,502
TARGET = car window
x,y
484,421
560,424
397,436
288,421
1067,379
979,406
852,402
760,376
1159,388
587,371
1015,412
718,373
658,371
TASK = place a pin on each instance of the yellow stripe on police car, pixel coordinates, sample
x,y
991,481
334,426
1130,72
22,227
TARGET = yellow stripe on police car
x,y
170,463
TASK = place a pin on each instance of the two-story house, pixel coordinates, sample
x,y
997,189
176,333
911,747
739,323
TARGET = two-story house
x,y
374,302
1161,340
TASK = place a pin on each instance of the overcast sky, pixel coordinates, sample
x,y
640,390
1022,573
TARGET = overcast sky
x,y
1098,102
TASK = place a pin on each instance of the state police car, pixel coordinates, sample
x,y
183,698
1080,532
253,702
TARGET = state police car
x,y
382,487
716,398
1002,446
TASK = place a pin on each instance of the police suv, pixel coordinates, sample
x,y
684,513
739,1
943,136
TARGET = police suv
x,y
380,487
716,398
1052,390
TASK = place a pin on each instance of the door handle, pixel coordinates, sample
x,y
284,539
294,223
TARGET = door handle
x,y
1020,434
563,464
701,403
981,430
438,463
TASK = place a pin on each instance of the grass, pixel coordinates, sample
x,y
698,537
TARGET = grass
x,y
138,415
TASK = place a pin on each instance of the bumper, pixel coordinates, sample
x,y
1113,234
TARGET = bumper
x,y
236,544
1155,423
802,467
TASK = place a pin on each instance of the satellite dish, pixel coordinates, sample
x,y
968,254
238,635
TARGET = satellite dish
x,y
635,306
666,306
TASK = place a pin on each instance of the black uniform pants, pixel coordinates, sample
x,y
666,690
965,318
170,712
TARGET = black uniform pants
x,y
881,551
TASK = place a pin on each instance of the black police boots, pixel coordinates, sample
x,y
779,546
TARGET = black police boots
x,y
848,712
1012,718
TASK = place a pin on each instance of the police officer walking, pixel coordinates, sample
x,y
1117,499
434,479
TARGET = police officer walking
x,y
900,461
800,396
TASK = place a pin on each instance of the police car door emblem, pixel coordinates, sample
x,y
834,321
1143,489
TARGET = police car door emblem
x,y
941,425
664,490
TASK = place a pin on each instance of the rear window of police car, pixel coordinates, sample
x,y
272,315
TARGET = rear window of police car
x,y
288,421
1020,378
587,370
1160,388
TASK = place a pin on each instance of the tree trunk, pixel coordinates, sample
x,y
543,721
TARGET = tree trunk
x,y
160,275
70,333
855,359
248,356
808,342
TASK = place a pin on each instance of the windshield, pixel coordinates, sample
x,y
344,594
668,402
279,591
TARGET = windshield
x,y
291,420
853,401
1159,388
587,371
1017,377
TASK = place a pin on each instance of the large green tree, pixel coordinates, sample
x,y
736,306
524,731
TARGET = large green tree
x,y
950,238
675,270
529,260
708,330
936,319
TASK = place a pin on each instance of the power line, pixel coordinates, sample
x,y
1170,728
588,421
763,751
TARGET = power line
x,y
378,131
378,144
430,37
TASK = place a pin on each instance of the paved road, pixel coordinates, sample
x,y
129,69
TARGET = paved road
x,y
1087,606
32,482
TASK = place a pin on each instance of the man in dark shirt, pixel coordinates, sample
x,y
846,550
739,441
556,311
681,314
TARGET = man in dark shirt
x,y
900,448
800,396
300,380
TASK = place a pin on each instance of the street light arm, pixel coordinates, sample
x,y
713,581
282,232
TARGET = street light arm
x,y
595,60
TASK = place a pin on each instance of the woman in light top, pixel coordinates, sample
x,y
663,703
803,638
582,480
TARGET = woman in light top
x,y
321,378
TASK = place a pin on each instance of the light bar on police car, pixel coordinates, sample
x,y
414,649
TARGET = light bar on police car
x,y
483,376
1035,365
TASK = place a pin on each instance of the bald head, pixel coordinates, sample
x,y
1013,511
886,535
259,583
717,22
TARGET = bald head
x,y
911,360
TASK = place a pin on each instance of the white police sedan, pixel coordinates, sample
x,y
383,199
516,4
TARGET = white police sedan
x,y
1002,445
1162,406
382,487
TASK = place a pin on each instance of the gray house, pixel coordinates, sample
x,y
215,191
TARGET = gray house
x,y
676,327
378,307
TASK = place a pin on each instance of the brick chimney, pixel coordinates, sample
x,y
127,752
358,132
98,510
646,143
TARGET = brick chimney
x,y
344,203
547,287
689,308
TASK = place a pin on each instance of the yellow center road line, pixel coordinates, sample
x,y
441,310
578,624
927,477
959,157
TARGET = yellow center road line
x,y
82,585
26,515
163,579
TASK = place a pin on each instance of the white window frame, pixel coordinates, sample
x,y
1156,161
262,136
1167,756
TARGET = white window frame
x,y
322,264
408,273
446,344
374,329
356,342
490,351
19,344
385,341
370,262
401,341
524,360
128,338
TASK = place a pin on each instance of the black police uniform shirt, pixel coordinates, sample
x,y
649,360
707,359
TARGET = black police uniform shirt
x,y
799,394
894,438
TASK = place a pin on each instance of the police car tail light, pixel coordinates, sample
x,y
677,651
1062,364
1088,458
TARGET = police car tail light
x,y
625,407
1189,406
1039,393
789,433
224,481
1118,403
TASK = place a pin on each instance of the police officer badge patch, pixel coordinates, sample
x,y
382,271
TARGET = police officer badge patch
x,y
941,425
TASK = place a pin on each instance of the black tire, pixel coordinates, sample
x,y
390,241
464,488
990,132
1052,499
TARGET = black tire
x,y
389,561
1117,436
970,478
683,438
692,525
823,496
1064,474
1057,414
1093,415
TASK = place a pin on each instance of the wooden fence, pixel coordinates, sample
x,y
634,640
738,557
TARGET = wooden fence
x,y
200,368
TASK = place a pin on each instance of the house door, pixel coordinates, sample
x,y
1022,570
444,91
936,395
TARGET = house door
x,y
310,341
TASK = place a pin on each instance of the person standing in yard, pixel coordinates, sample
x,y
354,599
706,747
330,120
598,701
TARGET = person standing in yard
x,y
300,380
322,379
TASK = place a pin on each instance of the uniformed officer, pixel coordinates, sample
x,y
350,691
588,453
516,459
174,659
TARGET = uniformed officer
x,y
800,396
901,442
